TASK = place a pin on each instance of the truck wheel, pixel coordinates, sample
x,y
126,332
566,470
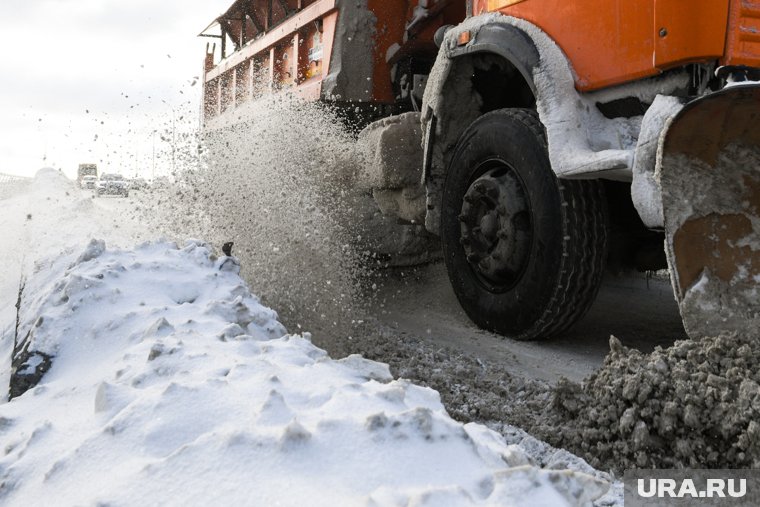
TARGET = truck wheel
x,y
525,252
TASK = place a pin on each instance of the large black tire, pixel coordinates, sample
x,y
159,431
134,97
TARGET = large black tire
x,y
525,251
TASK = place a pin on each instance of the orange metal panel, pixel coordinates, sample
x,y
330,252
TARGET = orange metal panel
x,y
498,4
329,25
388,30
310,90
689,30
308,49
607,41
610,42
283,64
743,39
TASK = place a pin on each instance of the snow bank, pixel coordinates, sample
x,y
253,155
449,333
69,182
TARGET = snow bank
x,y
169,383
50,215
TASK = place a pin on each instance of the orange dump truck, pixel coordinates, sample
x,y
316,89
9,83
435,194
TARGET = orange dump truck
x,y
554,137
363,53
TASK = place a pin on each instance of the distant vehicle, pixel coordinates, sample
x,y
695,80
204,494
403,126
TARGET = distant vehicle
x,y
89,182
87,170
112,184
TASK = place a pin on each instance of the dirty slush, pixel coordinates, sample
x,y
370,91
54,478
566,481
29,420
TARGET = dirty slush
x,y
278,184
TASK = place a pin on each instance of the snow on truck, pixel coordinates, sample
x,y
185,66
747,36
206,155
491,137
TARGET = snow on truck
x,y
550,137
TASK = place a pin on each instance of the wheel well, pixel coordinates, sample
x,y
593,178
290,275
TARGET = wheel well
x,y
482,82
477,84
500,86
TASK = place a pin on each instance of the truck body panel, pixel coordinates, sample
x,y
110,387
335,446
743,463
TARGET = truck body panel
x,y
743,37
611,43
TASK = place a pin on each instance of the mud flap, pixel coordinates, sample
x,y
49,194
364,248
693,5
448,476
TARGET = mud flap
x,y
709,172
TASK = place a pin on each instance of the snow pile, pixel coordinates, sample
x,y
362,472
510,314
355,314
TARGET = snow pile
x,y
694,405
12,185
169,383
44,218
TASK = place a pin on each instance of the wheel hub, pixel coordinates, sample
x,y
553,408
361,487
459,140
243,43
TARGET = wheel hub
x,y
495,226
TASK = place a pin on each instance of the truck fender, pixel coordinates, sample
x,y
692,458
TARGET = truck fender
x,y
450,104
509,42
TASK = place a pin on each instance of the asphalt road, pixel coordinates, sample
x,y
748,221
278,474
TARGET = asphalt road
x,y
641,312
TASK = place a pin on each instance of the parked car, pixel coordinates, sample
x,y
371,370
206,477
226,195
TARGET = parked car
x,y
113,184
89,182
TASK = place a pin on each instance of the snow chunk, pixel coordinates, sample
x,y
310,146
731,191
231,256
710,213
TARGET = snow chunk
x,y
370,370
94,249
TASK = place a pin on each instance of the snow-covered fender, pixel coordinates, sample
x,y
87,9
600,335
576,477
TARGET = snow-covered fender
x,y
572,121
503,40
507,41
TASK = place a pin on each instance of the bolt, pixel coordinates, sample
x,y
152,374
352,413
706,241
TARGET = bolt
x,y
663,32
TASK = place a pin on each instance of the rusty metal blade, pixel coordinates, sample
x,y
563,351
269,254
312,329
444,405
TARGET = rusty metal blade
x,y
709,171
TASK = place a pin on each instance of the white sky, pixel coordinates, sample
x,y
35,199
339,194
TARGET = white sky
x,y
130,63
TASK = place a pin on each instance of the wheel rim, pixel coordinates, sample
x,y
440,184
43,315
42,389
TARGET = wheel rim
x,y
496,230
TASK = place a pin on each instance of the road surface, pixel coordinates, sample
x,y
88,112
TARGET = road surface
x,y
641,312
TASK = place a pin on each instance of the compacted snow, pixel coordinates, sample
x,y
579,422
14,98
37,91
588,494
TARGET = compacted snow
x,y
169,383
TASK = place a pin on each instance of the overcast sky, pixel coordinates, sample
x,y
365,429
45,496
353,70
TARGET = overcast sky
x,y
90,80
